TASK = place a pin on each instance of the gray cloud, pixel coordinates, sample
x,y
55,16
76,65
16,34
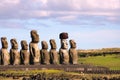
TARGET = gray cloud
x,y
60,10
22,24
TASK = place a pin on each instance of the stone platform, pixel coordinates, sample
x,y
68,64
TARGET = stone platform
x,y
69,68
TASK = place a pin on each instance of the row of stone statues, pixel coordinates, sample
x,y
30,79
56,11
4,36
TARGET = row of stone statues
x,y
36,56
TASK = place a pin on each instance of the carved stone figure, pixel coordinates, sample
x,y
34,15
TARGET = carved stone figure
x,y
45,58
73,52
63,52
4,54
14,53
53,52
24,54
34,49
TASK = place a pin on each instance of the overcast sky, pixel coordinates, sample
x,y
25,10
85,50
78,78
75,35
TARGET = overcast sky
x,y
92,24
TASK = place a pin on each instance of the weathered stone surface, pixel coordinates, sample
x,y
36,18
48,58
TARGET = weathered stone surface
x,y
14,53
4,54
34,36
63,52
34,49
73,52
53,44
64,56
45,58
53,52
24,54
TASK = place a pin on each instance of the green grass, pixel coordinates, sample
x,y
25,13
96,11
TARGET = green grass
x,y
110,61
45,72
30,72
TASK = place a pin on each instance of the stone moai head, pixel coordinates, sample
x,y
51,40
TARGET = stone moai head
x,y
44,45
4,42
34,36
24,45
53,44
14,44
72,43
63,36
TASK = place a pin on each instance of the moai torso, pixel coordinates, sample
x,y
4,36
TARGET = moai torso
x,y
34,49
24,54
53,52
4,54
64,57
73,53
14,53
45,58
63,52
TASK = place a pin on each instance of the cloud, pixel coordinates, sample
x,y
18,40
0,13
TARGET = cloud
x,y
106,4
60,10
23,24
65,15
82,5
60,6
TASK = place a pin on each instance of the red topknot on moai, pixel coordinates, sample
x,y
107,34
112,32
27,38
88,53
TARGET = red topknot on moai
x,y
63,35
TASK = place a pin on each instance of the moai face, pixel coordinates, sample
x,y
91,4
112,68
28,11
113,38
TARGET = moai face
x,y
53,44
14,44
44,45
72,43
24,45
34,36
4,42
64,44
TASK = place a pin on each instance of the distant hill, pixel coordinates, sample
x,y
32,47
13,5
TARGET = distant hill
x,y
95,52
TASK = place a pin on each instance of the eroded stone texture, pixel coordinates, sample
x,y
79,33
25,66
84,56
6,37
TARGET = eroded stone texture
x,y
14,53
4,54
34,49
24,54
53,52
63,52
45,58
73,52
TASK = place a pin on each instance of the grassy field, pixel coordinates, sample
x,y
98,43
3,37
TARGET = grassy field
x,y
30,72
110,61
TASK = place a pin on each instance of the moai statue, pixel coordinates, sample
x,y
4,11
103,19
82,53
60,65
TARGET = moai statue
x,y
73,53
53,52
14,53
63,52
34,49
45,57
24,54
4,54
